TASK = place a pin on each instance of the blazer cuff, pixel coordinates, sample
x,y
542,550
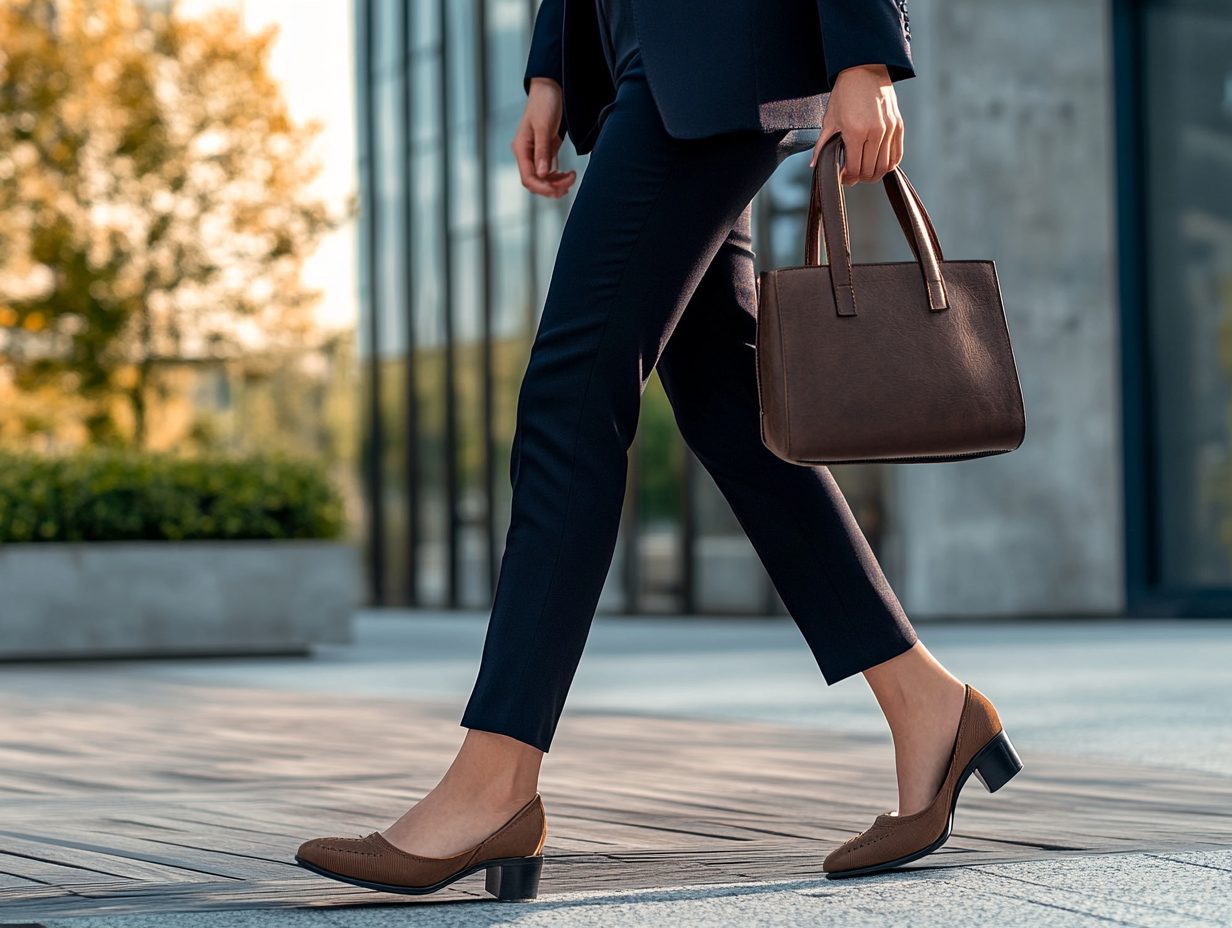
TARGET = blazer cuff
x,y
866,32
899,70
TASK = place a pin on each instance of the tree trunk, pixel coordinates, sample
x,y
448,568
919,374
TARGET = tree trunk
x,y
137,397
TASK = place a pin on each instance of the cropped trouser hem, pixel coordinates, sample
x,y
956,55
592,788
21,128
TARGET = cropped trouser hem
x,y
524,722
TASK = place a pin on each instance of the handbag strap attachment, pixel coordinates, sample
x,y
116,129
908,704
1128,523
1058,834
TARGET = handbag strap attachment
x,y
827,218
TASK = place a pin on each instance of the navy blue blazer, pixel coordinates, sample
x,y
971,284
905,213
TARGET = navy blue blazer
x,y
719,66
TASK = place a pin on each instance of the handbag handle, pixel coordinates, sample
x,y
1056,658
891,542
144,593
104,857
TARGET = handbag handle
x,y
827,218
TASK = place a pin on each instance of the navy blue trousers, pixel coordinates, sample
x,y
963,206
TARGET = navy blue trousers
x,y
655,270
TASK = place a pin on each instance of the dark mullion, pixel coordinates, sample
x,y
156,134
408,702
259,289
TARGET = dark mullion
x,y
688,535
412,476
376,517
485,240
451,410
1141,515
633,531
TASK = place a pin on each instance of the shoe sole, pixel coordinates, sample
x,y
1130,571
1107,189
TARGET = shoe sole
x,y
509,879
994,765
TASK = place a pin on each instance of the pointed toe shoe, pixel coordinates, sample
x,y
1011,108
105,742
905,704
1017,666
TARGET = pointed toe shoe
x,y
512,859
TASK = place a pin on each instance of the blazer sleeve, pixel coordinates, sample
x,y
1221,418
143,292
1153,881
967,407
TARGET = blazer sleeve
x,y
856,32
546,57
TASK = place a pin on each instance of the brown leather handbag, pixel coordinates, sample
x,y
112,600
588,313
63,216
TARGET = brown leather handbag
x,y
883,362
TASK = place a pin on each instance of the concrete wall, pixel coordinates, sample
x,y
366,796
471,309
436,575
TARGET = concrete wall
x,y
167,598
1009,141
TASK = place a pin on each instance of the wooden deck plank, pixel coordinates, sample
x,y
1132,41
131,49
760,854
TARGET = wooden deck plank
x,y
8,881
45,872
181,861
95,860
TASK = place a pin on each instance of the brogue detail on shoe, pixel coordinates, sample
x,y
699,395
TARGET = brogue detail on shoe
x,y
348,850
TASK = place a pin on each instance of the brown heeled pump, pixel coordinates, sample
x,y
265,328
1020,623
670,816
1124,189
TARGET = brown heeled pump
x,y
512,858
981,747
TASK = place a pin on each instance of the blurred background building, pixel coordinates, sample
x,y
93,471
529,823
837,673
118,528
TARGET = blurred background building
x,y
1086,145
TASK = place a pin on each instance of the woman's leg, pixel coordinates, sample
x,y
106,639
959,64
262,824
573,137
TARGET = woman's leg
x,y
801,526
650,215
494,775
922,702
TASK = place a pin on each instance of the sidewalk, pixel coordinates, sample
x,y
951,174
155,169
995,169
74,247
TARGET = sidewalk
x,y
1190,890
702,772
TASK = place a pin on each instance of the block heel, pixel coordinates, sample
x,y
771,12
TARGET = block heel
x,y
514,880
997,763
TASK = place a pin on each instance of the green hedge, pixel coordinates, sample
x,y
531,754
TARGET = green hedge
x,y
116,496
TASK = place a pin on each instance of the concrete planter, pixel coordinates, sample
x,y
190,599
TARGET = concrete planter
x,y
130,599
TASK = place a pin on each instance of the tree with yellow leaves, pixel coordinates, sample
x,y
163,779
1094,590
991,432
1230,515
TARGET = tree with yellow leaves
x,y
154,204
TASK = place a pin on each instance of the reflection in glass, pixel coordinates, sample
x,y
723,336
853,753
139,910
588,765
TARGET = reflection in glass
x,y
1188,112
428,312
389,290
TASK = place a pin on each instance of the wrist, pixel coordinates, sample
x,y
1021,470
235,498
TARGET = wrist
x,y
875,72
545,83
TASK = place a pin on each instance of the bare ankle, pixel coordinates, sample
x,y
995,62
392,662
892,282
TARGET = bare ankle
x,y
911,684
495,769
497,793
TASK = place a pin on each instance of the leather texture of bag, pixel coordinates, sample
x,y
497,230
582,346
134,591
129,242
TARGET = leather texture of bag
x,y
900,362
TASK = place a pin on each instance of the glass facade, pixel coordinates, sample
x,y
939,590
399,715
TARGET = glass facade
x,y
1189,199
457,258
1178,288
456,261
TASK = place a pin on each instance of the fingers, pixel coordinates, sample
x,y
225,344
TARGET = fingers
x,y
554,185
893,152
873,152
864,156
896,146
864,109
535,152
869,150
884,158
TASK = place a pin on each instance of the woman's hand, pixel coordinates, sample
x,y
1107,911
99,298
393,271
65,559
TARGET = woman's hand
x,y
863,108
538,140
